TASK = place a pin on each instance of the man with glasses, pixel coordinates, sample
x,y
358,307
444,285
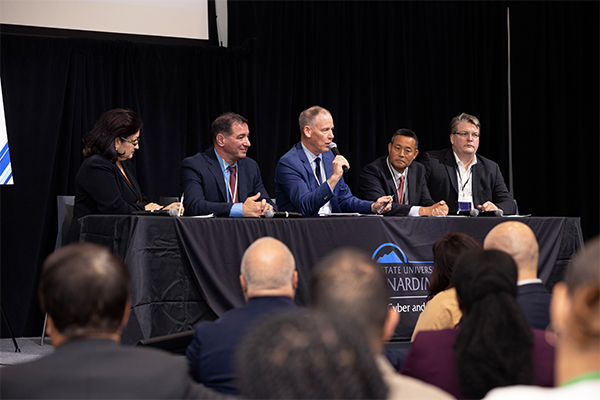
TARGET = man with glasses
x,y
463,179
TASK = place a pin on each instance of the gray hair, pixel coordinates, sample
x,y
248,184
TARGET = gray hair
x,y
463,118
307,117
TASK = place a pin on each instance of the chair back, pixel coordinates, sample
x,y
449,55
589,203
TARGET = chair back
x,y
65,206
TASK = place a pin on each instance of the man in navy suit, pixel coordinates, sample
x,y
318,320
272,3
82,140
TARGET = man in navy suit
x,y
518,240
308,178
269,280
222,180
463,179
84,288
398,174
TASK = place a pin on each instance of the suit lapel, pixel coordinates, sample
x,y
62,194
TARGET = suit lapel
x,y
475,172
215,169
131,183
450,164
390,185
312,182
413,196
242,183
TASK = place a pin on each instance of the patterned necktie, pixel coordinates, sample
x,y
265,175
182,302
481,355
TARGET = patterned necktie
x,y
232,185
318,170
401,190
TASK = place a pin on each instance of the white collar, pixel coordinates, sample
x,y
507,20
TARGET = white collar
x,y
529,281
461,164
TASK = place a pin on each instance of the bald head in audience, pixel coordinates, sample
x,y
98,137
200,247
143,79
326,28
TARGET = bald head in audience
x,y
518,240
268,269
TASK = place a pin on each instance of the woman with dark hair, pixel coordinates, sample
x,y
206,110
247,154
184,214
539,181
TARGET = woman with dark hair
x,y
307,356
441,310
494,346
106,182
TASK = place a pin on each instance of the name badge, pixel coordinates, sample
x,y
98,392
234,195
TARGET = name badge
x,y
464,205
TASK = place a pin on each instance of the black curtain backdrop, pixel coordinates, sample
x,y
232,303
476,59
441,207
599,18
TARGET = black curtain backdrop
x,y
377,66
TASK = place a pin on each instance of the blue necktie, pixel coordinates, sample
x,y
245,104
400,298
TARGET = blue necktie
x,y
318,170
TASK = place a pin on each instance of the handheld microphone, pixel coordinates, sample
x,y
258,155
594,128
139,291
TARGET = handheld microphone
x,y
281,214
335,151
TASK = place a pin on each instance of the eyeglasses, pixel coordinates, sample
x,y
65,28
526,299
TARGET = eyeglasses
x,y
466,135
135,142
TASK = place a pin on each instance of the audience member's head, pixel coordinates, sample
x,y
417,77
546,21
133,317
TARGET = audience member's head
x,y
495,342
445,253
84,288
575,315
268,269
349,282
307,356
113,125
518,240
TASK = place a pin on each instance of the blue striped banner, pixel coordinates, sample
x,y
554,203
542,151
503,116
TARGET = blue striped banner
x,y
6,175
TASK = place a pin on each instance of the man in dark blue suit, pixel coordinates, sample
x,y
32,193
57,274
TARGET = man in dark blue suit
x,y
269,280
398,174
222,180
308,178
518,240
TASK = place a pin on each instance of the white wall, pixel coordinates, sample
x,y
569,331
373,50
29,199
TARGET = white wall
x,y
170,18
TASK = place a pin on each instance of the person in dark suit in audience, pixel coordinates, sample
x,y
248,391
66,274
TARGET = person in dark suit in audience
x,y
494,345
462,178
106,182
84,288
399,175
308,178
518,240
347,284
269,280
222,180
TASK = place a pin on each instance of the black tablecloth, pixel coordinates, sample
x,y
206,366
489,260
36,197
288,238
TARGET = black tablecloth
x,y
187,269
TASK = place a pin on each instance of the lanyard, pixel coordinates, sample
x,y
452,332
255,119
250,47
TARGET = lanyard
x,y
231,194
460,184
396,184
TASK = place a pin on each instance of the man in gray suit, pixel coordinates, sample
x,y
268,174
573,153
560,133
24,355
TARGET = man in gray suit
x,y
84,289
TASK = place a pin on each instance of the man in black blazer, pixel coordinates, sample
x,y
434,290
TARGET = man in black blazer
x,y
269,281
398,174
518,240
85,291
222,180
462,178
